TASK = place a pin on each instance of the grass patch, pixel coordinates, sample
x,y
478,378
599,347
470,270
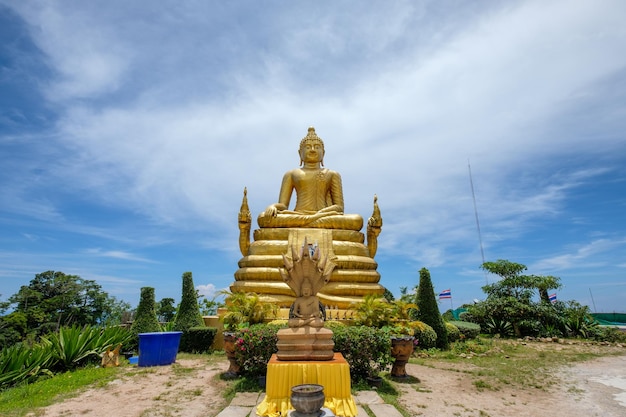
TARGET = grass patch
x,y
20,400
494,363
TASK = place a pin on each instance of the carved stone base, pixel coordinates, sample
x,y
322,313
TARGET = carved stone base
x,y
305,344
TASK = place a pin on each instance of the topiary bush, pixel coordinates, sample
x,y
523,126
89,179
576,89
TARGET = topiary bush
x,y
425,335
366,349
468,330
429,310
146,319
188,313
197,339
454,333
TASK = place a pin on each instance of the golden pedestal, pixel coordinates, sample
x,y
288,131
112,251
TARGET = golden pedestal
x,y
333,375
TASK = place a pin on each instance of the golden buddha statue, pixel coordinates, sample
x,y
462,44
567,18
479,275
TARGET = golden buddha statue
x,y
319,194
318,216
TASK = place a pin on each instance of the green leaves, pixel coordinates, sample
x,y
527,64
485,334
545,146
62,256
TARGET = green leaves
x,y
66,349
74,346
188,314
71,346
53,299
20,363
366,349
244,309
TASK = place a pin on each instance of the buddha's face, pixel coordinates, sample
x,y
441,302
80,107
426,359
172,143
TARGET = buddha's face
x,y
306,291
312,152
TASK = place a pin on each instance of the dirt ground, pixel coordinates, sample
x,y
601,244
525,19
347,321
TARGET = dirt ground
x,y
192,388
584,389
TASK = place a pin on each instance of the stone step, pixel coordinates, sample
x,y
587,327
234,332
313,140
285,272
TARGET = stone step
x,y
244,405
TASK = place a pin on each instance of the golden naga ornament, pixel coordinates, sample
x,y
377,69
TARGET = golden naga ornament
x,y
318,216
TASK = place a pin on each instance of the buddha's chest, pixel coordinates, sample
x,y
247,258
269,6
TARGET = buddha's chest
x,y
313,180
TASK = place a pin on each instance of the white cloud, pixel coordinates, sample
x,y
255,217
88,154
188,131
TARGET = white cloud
x,y
167,112
207,290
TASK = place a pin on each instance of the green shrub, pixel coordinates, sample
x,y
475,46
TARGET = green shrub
x,y
373,311
246,309
255,346
608,334
197,339
23,364
64,350
366,349
333,324
467,329
75,346
429,310
71,346
188,313
146,319
454,333
424,334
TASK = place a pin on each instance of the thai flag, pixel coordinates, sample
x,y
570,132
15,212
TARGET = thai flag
x,y
445,294
552,298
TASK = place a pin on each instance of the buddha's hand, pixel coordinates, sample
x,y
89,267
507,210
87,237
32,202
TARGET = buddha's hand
x,y
273,209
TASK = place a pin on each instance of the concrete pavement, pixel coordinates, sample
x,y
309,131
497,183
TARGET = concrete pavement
x,y
244,405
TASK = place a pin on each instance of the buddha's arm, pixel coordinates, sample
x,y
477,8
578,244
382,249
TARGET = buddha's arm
x,y
336,194
286,189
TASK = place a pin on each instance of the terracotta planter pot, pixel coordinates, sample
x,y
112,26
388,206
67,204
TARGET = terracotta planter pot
x,y
401,350
229,348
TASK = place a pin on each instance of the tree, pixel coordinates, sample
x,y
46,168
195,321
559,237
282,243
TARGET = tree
x,y
511,299
428,311
146,320
166,309
53,299
209,307
188,314
388,295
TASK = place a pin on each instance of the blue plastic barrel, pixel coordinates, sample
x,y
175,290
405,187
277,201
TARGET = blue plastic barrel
x,y
158,348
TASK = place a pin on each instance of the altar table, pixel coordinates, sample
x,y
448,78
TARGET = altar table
x,y
333,375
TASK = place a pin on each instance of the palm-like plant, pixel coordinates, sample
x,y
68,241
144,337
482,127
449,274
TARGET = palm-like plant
x,y
373,311
245,309
22,364
402,309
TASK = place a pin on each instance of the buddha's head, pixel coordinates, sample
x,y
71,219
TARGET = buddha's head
x,y
311,148
306,289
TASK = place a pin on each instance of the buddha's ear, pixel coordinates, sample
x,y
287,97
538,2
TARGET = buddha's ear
x,y
323,153
300,155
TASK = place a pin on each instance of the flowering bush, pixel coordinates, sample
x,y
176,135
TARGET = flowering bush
x,y
424,334
366,349
254,347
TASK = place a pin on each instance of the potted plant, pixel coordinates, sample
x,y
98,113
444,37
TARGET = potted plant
x,y
242,310
402,337
402,346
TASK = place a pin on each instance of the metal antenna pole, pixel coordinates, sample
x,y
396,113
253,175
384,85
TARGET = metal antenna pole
x,y
592,301
480,237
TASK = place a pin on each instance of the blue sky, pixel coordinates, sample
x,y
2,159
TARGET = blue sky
x,y
128,131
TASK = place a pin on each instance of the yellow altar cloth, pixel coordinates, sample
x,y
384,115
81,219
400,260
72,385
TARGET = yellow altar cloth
x,y
333,375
